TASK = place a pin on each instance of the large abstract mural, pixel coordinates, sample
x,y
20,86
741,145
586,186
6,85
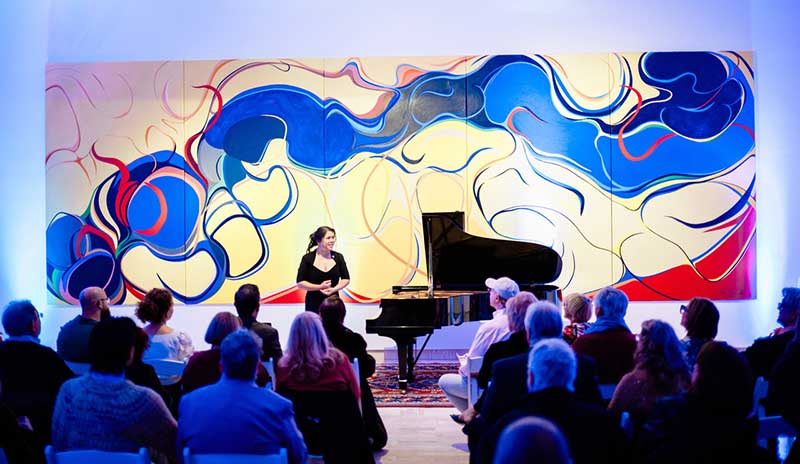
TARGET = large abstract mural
x,y
198,176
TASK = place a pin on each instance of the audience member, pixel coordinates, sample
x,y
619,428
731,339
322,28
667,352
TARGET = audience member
x,y
73,338
660,370
517,342
144,374
17,441
593,434
700,318
311,363
165,342
234,416
102,410
508,386
500,291
578,311
764,352
204,368
784,386
332,312
30,374
248,302
608,340
532,439
710,422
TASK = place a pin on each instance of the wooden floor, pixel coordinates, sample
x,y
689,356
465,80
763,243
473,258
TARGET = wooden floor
x,y
422,435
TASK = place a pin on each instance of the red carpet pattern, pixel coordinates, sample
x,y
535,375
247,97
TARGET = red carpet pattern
x,y
424,392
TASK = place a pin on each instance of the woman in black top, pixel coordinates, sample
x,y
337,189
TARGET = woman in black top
x,y
322,272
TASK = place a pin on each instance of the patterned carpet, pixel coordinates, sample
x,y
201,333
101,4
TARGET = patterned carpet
x,y
422,393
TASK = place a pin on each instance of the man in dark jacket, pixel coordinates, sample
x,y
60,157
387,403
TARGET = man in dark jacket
x,y
247,302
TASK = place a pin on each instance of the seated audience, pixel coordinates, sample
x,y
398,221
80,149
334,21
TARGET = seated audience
x,y
700,318
764,352
660,370
165,342
332,312
144,374
73,338
608,340
311,363
710,422
517,342
30,374
593,434
324,390
455,386
248,302
578,310
784,386
234,416
509,387
204,368
532,439
17,440
102,410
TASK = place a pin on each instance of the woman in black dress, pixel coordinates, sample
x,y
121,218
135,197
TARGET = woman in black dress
x,y
322,272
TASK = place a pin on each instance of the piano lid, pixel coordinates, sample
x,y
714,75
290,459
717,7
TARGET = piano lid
x,y
463,261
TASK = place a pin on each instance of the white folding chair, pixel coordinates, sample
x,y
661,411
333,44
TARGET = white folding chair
x,y
169,371
95,457
269,365
280,458
78,368
473,367
759,393
357,371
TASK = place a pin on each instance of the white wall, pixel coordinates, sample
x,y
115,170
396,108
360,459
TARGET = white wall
x,y
114,30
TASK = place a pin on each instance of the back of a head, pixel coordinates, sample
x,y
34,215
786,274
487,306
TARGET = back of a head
x,y
332,312
791,298
154,306
240,354
543,320
246,300
723,383
577,307
142,341
307,338
551,364
660,352
517,308
532,439
88,299
614,302
222,324
18,318
110,344
702,319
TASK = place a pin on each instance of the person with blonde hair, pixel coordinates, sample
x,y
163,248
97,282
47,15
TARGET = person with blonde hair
x,y
203,368
578,310
310,363
155,310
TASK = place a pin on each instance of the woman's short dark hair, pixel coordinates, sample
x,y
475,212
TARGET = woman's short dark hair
x,y
222,324
318,235
332,311
141,344
154,306
702,319
724,381
110,344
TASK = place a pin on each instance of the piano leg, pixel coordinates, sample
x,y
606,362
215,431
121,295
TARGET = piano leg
x,y
405,363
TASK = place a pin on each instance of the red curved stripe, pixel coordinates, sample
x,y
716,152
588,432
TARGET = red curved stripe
x,y
621,142
188,147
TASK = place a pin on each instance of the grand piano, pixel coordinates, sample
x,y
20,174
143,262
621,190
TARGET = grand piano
x,y
458,265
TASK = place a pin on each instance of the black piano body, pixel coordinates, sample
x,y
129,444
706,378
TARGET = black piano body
x,y
458,265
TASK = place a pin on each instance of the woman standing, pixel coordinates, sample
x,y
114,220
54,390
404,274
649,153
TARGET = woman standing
x,y
322,272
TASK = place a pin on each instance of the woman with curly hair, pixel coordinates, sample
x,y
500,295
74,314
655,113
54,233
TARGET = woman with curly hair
x,y
155,309
660,370
311,363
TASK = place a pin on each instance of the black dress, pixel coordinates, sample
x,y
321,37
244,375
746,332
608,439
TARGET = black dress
x,y
310,273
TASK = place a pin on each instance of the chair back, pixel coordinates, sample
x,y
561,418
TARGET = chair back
x,y
332,425
280,458
169,371
269,366
3,459
759,394
474,367
78,368
607,391
95,457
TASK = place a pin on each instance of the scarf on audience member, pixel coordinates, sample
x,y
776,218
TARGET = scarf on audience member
x,y
604,323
